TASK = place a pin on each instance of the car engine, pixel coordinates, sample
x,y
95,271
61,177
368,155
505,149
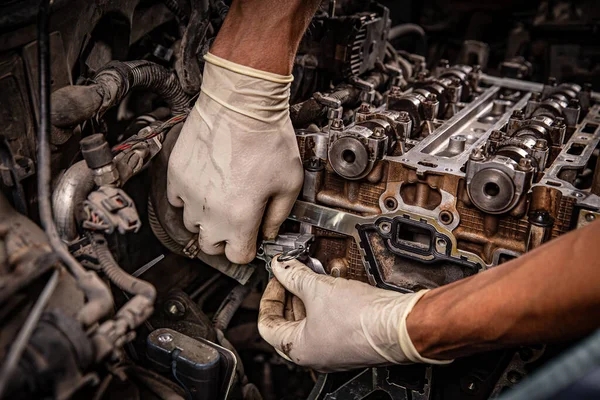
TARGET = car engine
x,y
418,172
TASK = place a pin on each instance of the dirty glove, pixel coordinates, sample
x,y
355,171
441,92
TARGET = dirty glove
x,y
236,160
347,324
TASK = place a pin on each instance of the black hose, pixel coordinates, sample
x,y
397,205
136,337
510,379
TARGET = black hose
x,y
173,6
115,273
75,104
318,388
99,297
232,303
399,31
156,78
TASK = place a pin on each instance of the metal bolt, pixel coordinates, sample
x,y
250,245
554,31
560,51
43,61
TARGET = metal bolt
x,y
444,63
364,108
496,135
541,144
517,114
175,308
559,121
477,155
552,81
535,96
165,338
403,116
524,164
431,97
395,91
574,103
385,227
337,124
446,217
590,217
378,131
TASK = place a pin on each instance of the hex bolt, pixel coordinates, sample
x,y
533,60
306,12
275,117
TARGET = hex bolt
x,y
403,116
574,103
552,81
518,114
541,144
496,135
364,108
444,63
477,155
165,338
337,124
432,97
524,164
536,96
378,131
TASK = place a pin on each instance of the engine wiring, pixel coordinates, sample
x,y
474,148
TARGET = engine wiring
x,y
149,133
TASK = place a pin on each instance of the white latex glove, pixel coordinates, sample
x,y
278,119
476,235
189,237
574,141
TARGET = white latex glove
x,y
346,324
236,160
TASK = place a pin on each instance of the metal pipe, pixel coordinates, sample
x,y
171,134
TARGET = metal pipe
x,y
70,192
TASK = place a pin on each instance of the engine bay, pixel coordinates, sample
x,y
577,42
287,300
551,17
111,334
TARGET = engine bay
x,y
418,172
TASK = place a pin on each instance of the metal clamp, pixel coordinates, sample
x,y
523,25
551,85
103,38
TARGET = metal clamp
x,y
292,246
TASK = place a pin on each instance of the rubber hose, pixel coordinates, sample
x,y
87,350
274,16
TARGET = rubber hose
x,y
399,31
74,104
160,233
173,6
318,388
232,303
156,78
115,273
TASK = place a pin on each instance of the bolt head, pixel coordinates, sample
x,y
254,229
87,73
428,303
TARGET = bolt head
x,y
337,124
496,135
590,217
477,155
175,308
525,164
541,144
165,338
378,131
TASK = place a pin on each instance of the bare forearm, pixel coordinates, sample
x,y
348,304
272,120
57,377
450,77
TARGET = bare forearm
x,y
264,34
550,294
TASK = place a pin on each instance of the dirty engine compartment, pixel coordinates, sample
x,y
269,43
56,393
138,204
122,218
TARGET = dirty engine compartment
x,y
418,172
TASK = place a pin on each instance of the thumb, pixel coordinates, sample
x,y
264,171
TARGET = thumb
x,y
277,211
298,278
272,325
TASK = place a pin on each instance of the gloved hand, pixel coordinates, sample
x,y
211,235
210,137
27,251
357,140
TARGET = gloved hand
x,y
236,160
347,324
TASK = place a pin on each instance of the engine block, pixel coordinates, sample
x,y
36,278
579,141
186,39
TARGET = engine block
x,y
455,172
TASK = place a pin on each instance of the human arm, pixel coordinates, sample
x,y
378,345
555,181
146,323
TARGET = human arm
x,y
236,164
547,295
